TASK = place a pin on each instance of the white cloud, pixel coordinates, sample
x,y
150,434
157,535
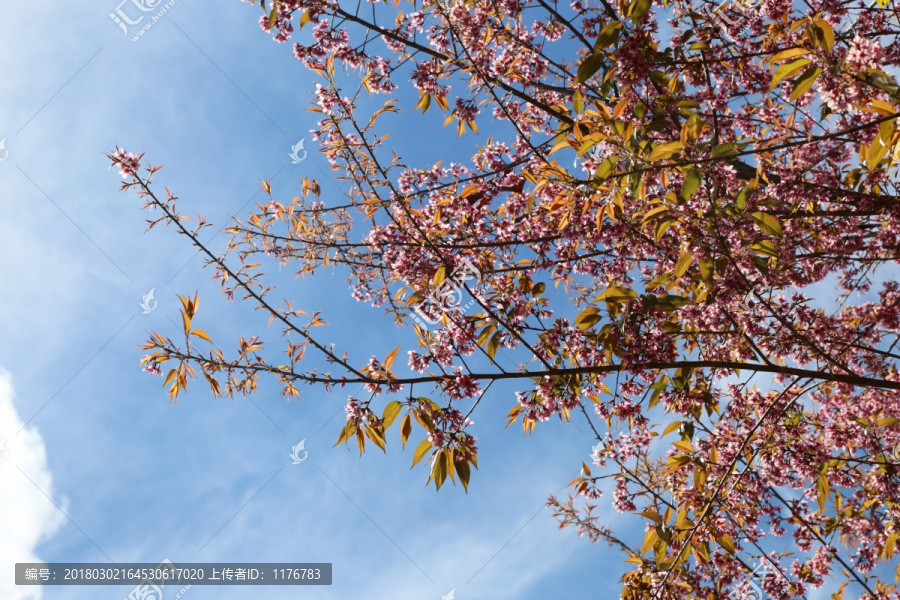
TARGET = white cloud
x,y
27,516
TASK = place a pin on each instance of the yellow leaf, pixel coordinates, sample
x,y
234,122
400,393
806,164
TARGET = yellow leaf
x,y
655,212
650,539
683,446
391,410
346,432
439,276
201,334
665,150
684,262
424,102
390,357
677,462
791,53
470,190
827,34
169,377
421,450
375,435
671,427
405,429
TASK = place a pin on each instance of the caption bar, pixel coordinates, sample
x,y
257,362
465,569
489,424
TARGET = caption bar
x,y
168,573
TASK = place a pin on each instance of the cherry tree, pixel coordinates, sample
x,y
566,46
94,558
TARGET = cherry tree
x,y
680,219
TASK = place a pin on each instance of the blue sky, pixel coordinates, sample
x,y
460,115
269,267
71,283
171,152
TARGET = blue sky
x,y
101,467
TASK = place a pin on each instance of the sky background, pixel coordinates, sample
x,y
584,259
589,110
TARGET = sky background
x,y
100,467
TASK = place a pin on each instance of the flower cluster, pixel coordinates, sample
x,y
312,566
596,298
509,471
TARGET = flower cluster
x,y
128,163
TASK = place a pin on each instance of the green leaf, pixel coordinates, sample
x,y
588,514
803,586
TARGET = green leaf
x,y
639,8
692,182
688,104
615,294
805,82
608,36
767,223
462,469
577,102
706,270
742,197
493,345
587,318
723,149
589,67
761,263
440,468
787,69
606,168
662,226
823,491
674,301
765,247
